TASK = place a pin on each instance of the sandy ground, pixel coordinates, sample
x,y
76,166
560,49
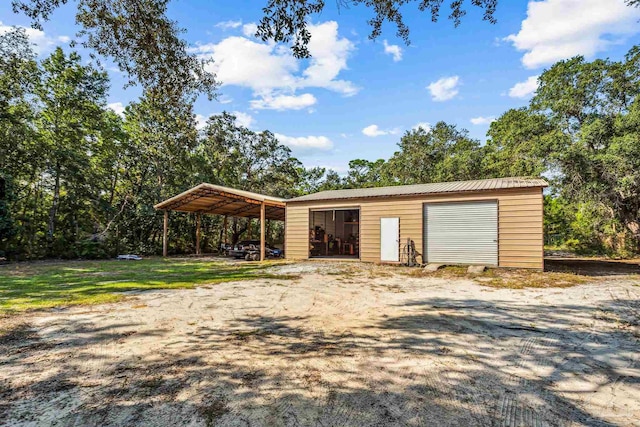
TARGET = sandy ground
x,y
346,345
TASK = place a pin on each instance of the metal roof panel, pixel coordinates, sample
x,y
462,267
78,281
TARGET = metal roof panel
x,y
420,189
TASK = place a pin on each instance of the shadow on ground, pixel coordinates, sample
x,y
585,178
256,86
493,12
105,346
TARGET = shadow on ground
x,y
592,267
444,363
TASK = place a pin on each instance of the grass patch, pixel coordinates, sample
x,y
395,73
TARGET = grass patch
x,y
343,271
451,272
521,279
28,286
505,278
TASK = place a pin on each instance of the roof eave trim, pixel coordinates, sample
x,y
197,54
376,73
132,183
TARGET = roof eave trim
x,y
225,192
415,194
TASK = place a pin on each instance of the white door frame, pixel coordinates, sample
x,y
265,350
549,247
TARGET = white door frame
x,y
390,239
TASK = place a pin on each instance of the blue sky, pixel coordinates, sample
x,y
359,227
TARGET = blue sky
x,y
356,97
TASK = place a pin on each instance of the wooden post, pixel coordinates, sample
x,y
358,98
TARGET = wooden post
x,y
165,241
262,224
198,233
249,228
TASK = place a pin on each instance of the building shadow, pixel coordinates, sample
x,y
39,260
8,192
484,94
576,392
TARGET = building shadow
x,y
441,362
592,267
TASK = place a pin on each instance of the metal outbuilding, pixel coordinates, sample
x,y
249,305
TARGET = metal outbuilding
x,y
494,222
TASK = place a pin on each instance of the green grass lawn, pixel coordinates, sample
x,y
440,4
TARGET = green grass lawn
x,y
37,285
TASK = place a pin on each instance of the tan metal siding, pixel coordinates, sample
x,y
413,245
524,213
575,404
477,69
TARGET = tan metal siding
x,y
297,232
519,223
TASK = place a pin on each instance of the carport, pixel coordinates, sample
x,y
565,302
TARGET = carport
x,y
225,201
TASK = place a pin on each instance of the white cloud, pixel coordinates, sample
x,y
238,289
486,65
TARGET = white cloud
x,y
305,142
559,29
201,121
284,102
329,57
113,69
271,71
393,50
117,108
424,125
42,43
224,99
524,89
373,131
482,120
444,89
229,25
249,30
243,119
243,62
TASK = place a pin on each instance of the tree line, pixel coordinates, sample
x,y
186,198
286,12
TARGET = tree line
x,y
79,180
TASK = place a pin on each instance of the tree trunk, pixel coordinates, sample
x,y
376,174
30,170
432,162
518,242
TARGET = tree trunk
x,y
634,227
237,232
53,212
32,233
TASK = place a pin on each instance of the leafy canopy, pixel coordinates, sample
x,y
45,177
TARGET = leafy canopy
x,y
140,39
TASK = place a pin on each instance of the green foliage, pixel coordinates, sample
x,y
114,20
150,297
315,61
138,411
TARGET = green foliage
x,y
286,20
19,148
443,153
144,43
557,219
71,100
519,144
363,173
237,157
89,249
140,39
79,181
594,108
7,227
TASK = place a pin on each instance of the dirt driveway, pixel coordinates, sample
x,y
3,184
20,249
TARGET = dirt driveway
x,y
345,345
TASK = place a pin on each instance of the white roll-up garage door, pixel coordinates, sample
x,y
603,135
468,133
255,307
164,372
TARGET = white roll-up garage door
x,y
461,233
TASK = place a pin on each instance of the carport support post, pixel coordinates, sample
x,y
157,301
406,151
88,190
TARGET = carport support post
x,y
165,241
198,233
262,220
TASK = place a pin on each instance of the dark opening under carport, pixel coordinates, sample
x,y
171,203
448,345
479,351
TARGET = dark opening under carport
x,y
219,200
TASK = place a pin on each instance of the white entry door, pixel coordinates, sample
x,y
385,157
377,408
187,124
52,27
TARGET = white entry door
x,y
390,239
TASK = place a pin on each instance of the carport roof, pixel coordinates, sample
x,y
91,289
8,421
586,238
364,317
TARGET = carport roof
x,y
420,189
216,199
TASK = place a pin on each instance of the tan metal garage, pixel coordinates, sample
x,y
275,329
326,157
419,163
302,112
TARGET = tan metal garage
x,y
491,222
